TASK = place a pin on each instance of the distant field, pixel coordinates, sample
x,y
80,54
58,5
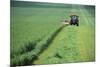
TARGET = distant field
x,y
38,37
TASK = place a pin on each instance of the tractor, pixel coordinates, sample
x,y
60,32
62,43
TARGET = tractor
x,y
74,20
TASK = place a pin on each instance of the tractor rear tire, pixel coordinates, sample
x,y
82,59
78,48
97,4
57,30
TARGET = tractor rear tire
x,y
77,24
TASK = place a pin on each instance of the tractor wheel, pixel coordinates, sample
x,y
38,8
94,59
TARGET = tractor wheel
x,y
77,24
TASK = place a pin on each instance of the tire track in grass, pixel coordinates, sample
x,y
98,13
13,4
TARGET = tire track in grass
x,y
91,33
83,16
80,44
89,18
85,43
84,40
83,32
80,35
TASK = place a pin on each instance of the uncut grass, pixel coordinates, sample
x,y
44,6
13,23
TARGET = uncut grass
x,y
27,26
26,30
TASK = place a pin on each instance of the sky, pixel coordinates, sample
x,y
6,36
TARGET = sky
x,y
85,2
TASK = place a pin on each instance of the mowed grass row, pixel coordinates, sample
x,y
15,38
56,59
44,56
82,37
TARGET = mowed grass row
x,y
30,29
73,44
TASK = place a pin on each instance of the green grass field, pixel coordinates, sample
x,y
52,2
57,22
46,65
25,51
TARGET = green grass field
x,y
36,37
